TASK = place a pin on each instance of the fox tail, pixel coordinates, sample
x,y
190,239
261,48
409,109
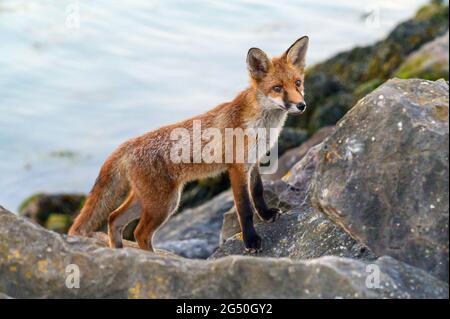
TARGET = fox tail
x,y
109,189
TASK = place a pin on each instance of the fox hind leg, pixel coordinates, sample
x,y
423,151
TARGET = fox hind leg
x,y
119,219
155,209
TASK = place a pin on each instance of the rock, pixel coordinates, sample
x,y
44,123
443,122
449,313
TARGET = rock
x,y
333,86
298,234
3,296
194,233
294,155
103,240
199,192
35,265
429,62
383,174
302,232
291,137
230,225
53,211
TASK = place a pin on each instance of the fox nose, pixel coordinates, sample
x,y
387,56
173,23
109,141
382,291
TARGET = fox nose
x,y
301,106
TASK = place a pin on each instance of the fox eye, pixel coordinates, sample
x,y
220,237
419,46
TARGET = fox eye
x,y
277,88
298,83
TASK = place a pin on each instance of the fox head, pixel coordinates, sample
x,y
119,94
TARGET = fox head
x,y
280,80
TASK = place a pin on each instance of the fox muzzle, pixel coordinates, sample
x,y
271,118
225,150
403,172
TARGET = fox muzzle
x,y
296,108
301,106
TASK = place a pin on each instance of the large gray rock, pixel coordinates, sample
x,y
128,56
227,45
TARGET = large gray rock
x,y
302,232
194,233
34,265
383,174
430,62
294,155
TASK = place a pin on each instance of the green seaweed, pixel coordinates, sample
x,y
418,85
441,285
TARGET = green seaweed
x,y
27,201
427,11
58,222
440,112
367,87
64,154
415,68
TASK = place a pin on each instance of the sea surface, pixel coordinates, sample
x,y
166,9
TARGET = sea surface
x,y
79,77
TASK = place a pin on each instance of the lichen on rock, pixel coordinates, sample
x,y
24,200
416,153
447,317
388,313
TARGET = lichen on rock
x,y
430,62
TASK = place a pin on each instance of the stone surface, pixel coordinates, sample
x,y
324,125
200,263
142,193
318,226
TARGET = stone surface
x,y
291,137
194,233
3,296
383,174
294,155
199,192
302,232
429,62
34,266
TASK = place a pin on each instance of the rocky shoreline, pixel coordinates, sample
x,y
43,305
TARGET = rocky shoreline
x,y
342,214
363,186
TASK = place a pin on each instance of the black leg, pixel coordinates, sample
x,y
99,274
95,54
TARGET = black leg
x,y
244,207
257,190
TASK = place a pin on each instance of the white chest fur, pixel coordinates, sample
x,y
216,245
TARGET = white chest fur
x,y
271,118
270,121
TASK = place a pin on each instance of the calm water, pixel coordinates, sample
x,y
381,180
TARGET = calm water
x,y
73,86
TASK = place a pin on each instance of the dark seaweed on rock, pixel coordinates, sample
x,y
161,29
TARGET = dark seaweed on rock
x,y
334,86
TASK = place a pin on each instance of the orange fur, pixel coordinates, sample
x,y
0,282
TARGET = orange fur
x,y
141,171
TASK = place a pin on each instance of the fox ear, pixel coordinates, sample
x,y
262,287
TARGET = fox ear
x,y
296,54
258,64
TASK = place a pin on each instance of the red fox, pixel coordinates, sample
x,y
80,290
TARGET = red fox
x,y
142,171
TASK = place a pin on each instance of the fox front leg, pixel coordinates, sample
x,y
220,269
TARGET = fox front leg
x,y
257,190
239,177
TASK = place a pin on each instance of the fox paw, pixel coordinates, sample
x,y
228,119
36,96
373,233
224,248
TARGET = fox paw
x,y
271,215
253,243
